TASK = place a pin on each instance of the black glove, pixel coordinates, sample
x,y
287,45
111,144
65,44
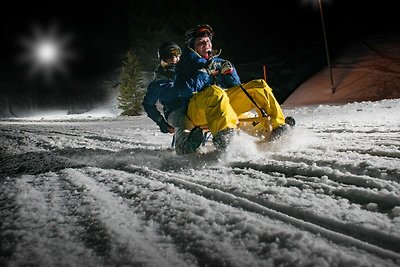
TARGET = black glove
x,y
164,126
226,68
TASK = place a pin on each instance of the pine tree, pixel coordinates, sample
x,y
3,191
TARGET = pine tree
x,y
131,89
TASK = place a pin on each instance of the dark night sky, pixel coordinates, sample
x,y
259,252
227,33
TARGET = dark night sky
x,y
92,26
266,32
254,20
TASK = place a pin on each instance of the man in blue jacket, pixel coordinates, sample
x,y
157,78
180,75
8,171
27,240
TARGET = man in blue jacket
x,y
174,104
218,96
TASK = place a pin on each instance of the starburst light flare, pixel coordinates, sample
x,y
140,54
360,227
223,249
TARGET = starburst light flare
x,y
46,52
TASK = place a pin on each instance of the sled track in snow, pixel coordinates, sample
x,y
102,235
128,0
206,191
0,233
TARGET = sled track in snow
x,y
373,241
91,198
376,242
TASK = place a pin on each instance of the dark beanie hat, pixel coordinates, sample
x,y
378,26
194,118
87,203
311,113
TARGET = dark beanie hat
x,y
167,50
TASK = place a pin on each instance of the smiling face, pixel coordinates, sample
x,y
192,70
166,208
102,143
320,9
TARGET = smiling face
x,y
203,46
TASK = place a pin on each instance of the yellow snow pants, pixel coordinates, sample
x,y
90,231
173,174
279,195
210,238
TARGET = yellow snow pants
x,y
220,108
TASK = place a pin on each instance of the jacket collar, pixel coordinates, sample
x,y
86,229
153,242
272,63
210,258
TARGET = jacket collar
x,y
215,53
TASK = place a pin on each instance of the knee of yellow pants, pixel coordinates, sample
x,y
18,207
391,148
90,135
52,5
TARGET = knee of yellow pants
x,y
212,107
200,101
267,101
214,92
259,84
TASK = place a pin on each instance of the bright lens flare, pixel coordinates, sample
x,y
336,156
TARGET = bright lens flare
x,y
46,53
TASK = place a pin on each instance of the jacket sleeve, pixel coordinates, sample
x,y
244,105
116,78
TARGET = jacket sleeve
x,y
192,75
229,80
149,103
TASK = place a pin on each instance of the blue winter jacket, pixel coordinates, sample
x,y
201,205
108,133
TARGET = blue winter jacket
x,y
162,89
174,87
192,76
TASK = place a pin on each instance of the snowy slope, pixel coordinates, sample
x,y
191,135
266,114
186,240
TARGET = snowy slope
x,y
369,70
109,191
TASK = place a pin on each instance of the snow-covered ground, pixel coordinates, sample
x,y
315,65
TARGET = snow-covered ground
x,y
109,191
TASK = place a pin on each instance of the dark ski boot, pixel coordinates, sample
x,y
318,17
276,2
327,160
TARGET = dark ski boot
x,y
192,142
290,121
222,139
277,133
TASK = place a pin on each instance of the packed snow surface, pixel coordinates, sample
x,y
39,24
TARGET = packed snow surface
x,y
110,191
